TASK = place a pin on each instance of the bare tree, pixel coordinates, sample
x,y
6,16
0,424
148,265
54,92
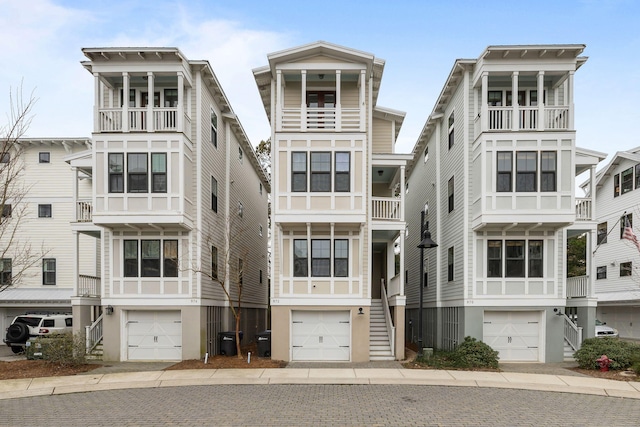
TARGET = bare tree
x,y
16,252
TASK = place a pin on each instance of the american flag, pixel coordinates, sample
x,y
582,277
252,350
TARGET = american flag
x,y
629,234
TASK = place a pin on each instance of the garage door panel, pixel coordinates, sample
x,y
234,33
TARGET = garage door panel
x,y
514,334
317,335
154,335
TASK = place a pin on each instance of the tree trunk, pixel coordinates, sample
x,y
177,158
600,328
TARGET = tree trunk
x,y
238,350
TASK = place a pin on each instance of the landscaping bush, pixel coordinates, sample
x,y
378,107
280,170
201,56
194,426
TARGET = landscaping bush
x,y
622,353
472,353
60,349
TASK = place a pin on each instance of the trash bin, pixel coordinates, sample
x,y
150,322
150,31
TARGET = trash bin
x,y
227,342
264,343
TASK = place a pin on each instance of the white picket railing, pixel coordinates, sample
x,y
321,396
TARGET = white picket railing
x,y
577,286
93,334
583,209
385,208
88,286
387,317
84,211
572,333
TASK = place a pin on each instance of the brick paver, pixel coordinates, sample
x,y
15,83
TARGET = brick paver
x,y
320,405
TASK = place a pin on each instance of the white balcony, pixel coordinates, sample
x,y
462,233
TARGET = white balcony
x,y
583,209
501,119
164,120
84,211
577,286
321,120
386,208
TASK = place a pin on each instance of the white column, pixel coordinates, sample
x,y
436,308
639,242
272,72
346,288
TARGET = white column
x,y
150,122
515,112
338,102
402,266
76,264
569,101
402,193
181,103
125,102
96,103
278,96
331,236
484,103
541,116
362,99
309,275
303,101
592,191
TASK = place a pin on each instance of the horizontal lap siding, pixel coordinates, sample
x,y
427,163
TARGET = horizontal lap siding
x,y
382,139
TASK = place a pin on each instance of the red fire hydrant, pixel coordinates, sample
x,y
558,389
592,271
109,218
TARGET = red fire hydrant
x,y
604,362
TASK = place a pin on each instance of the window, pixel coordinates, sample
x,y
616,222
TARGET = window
x,y
601,272
5,271
602,233
240,271
627,180
44,211
260,230
44,157
298,171
494,98
144,99
321,171
300,257
451,131
321,258
260,276
130,258
5,157
116,172
494,258
137,173
341,258
240,154
317,101
49,271
616,185
150,255
623,221
158,172
426,153
505,171
526,170
6,210
240,210
171,98
214,194
451,194
132,97
450,264
260,188
625,269
548,171
535,258
637,171
343,174
214,262
514,265
170,258
214,129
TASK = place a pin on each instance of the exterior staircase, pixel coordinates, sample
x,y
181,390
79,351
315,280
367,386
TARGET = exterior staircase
x,y
379,342
96,353
568,352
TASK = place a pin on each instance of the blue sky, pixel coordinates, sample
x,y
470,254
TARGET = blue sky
x,y
40,42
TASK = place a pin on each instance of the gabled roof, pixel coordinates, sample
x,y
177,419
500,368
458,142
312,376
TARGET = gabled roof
x,y
633,155
264,75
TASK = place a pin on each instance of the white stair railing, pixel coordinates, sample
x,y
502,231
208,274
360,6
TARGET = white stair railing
x,y
387,317
93,334
572,333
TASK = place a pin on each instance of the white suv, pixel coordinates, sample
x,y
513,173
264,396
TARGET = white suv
x,y
36,325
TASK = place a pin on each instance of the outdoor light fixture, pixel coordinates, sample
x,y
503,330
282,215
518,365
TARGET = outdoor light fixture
x,y
109,310
425,243
360,311
380,172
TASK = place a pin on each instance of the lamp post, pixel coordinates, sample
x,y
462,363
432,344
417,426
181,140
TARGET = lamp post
x,y
425,243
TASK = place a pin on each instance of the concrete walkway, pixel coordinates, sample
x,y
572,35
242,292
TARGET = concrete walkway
x,y
10,389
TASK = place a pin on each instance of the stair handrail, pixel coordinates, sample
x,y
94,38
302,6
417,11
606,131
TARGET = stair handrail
x,y
93,334
572,333
387,317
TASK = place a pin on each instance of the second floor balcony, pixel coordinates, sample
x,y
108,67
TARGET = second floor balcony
x,y
137,120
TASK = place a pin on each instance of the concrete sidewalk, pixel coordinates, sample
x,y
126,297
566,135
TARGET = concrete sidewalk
x,y
10,389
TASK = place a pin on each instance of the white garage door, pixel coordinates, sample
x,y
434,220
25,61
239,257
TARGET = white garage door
x,y
320,335
514,334
154,335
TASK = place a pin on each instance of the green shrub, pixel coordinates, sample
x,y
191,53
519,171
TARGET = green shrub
x,y
621,353
472,353
60,349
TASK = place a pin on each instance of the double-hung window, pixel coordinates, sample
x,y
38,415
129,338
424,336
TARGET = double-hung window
x,y
341,258
5,271
602,233
6,211
49,271
298,171
171,98
624,219
158,172
616,185
150,254
44,157
214,129
321,171
300,258
321,258
130,258
494,258
514,260
548,165
170,258
505,171
526,171
627,180
625,269
214,194
637,172
535,258
450,261
214,262
137,176
116,173
452,137
451,194
343,171
601,272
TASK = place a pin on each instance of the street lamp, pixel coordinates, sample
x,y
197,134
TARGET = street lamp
x,y
425,243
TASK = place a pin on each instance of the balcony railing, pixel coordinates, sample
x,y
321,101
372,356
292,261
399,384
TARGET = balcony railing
x,y
577,286
88,286
583,209
164,119
321,119
84,211
501,118
386,208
